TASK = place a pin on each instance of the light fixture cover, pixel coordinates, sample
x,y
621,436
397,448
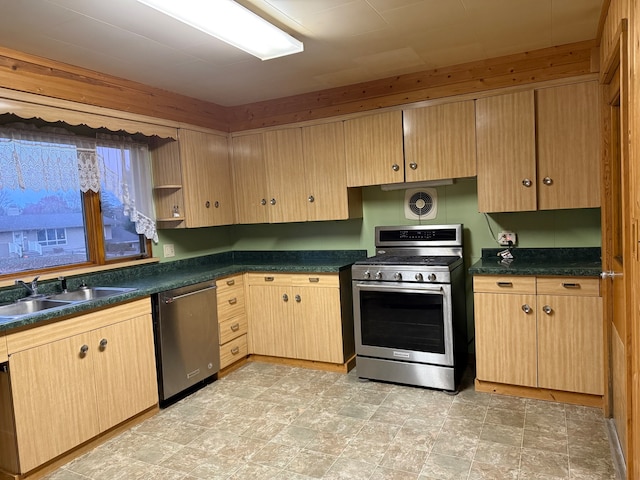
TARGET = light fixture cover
x,y
231,23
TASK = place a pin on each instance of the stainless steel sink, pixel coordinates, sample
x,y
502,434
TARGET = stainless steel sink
x,y
30,306
91,293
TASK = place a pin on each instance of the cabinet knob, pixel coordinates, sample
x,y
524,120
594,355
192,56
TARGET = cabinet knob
x,y
547,309
298,298
395,167
547,181
526,308
216,204
83,350
235,350
231,282
233,301
207,204
311,199
235,327
103,343
413,165
285,297
263,201
273,201
527,182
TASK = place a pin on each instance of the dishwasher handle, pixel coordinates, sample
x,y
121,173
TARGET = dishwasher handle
x,y
168,300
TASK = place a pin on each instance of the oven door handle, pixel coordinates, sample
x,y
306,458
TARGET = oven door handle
x,y
380,288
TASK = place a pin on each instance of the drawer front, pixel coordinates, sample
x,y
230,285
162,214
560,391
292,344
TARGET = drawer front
x,y
232,328
233,351
231,302
3,349
504,284
582,286
269,278
229,282
316,280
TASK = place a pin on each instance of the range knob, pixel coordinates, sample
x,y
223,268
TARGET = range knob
x,y
366,275
378,275
397,276
431,277
419,277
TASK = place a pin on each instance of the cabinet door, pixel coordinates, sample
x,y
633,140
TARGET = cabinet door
x,y
506,338
318,324
570,343
568,146
285,175
374,151
206,173
325,175
505,132
125,370
440,141
249,179
54,399
271,323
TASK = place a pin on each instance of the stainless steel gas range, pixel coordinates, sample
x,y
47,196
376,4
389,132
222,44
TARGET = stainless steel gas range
x,y
409,307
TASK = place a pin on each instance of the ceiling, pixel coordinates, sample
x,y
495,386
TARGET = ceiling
x,y
345,41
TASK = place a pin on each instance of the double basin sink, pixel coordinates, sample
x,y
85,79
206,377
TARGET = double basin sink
x,y
28,306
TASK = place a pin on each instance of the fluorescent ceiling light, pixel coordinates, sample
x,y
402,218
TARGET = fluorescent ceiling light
x,y
231,23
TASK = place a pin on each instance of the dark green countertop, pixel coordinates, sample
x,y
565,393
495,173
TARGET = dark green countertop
x,y
574,262
153,278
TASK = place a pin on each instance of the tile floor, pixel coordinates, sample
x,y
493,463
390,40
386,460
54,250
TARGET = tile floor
x,y
267,421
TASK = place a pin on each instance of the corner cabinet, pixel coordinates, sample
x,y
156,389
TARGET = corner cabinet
x,y
539,150
540,332
301,316
75,379
191,181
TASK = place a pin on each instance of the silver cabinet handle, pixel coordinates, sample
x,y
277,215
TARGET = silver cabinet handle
x,y
263,201
527,182
233,301
285,297
298,298
235,327
231,282
547,181
103,343
273,201
207,204
395,167
235,350
84,349
413,165
311,199
547,309
526,308
610,274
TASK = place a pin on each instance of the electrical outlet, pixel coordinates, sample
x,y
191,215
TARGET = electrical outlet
x,y
169,251
506,238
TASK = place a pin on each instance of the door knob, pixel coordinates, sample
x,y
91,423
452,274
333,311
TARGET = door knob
x,y
547,309
526,308
547,181
413,165
395,167
527,182
103,343
285,297
610,274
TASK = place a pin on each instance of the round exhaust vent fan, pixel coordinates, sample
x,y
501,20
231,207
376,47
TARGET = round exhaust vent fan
x,y
420,204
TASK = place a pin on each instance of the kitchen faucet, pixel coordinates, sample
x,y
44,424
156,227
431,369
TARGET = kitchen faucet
x,y
33,289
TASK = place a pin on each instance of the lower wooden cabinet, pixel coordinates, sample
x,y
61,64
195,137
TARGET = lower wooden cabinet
x,y
3,348
543,332
74,379
232,319
300,316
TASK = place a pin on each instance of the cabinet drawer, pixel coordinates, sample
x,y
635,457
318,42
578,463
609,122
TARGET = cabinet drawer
x,y
229,282
231,302
588,287
504,284
269,278
316,280
3,348
233,351
232,328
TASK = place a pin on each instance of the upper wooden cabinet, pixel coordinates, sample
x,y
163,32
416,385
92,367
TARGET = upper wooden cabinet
x,y
374,151
440,142
191,181
293,175
559,169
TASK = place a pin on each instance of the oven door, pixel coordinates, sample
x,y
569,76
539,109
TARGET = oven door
x,y
404,321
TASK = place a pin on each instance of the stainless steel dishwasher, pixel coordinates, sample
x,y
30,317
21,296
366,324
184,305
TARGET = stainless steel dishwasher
x,y
186,334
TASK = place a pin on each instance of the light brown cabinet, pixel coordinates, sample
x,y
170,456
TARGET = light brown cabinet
x,y
293,175
3,348
543,332
191,181
374,151
72,380
232,319
440,142
539,150
299,316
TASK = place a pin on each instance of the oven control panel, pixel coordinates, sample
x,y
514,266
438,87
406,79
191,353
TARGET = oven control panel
x,y
406,274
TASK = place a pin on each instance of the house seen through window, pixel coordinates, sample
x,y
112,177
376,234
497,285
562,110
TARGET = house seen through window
x,y
70,200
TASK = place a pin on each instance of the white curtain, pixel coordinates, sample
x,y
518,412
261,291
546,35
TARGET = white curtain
x,y
50,160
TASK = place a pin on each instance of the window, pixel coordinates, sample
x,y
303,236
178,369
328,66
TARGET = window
x,y
70,200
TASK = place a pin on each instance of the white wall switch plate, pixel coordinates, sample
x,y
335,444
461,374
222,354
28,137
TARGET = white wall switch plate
x,y
507,238
169,251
